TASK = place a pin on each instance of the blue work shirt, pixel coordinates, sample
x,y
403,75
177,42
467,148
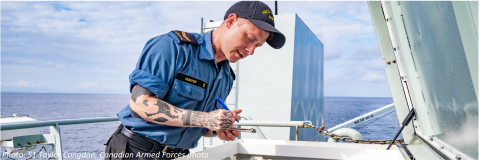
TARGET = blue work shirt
x,y
165,58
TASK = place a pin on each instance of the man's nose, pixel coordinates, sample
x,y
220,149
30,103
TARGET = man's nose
x,y
250,49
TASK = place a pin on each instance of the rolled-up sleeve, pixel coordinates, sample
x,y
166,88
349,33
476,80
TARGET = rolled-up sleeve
x,y
157,66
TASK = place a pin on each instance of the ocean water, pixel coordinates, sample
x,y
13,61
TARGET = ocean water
x,y
338,110
75,138
90,138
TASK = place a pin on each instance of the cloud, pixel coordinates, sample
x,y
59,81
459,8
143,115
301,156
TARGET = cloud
x,y
90,33
371,52
95,45
97,85
335,77
339,25
372,77
333,52
376,65
88,84
363,64
22,83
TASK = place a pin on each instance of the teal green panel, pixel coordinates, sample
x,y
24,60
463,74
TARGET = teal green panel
x,y
398,96
474,8
381,30
466,16
443,72
393,75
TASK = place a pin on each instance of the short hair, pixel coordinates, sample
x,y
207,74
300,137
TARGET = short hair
x,y
239,22
270,36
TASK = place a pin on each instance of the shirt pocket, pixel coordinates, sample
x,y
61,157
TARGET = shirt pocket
x,y
189,90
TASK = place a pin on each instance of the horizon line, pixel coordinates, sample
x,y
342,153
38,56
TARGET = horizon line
x,y
128,94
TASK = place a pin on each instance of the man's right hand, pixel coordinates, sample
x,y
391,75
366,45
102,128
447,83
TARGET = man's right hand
x,y
229,135
221,119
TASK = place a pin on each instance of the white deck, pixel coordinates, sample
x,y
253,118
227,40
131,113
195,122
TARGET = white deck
x,y
282,149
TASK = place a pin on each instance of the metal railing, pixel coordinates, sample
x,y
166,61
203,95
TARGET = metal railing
x,y
260,133
54,137
23,125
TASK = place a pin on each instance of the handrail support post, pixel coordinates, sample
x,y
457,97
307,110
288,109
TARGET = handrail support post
x,y
296,133
57,146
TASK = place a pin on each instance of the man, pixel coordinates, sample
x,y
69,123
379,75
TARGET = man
x,y
177,80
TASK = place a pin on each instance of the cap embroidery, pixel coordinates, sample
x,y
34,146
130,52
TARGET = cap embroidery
x,y
266,11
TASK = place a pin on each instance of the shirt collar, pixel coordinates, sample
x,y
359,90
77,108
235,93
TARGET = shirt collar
x,y
207,53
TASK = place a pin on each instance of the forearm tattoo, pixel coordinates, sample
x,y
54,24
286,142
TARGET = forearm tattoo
x,y
161,119
145,102
186,118
138,90
163,108
177,110
208,120
189,118
134,114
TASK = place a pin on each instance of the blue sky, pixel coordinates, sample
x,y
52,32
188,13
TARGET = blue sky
x,y
92,47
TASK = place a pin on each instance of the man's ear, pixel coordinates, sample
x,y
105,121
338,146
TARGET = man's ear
x,y
231,20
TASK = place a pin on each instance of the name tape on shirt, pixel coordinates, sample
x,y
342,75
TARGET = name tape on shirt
x,y
191,80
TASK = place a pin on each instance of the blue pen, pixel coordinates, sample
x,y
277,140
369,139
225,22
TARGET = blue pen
x,y
224,106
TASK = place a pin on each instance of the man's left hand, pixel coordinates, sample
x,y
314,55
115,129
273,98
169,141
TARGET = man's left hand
x,y
228,135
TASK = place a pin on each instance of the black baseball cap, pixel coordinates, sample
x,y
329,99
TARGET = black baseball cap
x,y
261,15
